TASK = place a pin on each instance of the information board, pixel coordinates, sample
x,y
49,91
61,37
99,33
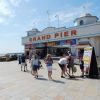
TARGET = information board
x,y
87,56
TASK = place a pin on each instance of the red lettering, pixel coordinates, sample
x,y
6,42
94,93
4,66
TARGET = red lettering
x,y
66,33
56,35
73,32
34,39
48,36
43,37
61,34
38,38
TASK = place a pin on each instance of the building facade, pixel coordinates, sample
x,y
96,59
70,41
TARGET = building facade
x,y
56,41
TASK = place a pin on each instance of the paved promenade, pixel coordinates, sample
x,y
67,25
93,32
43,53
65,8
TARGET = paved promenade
x,y
19,85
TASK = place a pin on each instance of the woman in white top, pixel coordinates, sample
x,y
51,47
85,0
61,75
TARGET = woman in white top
x,y
62,63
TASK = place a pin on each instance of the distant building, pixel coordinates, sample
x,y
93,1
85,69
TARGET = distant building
x,y
56,41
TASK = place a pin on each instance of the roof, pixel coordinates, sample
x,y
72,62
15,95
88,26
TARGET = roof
x,y
86,15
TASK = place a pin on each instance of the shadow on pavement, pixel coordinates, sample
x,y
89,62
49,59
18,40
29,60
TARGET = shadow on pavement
x,y
94,78
44,79
58,81
28,71
76,78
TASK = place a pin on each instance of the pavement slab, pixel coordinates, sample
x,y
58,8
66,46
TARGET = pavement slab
x,y
18,85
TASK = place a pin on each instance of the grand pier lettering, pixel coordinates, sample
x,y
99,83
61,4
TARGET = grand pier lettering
x,y
53,36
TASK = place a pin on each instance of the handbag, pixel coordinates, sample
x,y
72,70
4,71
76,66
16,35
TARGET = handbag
x,y
25,64
74,69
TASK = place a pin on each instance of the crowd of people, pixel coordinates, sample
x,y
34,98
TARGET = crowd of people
x,y
66,64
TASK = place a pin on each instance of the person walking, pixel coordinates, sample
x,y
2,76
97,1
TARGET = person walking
x,y
19,59
49,62
23,62
35,62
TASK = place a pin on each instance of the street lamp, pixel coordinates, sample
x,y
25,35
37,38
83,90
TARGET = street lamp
x,y
48,18
57,16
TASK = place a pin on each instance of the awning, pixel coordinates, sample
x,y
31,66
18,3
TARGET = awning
x,y
82,46
84,41
62,46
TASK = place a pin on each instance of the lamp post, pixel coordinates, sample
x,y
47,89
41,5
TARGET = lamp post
x,y
57,16
48,18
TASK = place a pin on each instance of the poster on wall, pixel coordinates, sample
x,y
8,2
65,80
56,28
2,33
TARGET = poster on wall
x,y
87,56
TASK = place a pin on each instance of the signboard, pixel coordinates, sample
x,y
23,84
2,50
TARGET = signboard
x,y
87,56
51,44
90,62
55,36
73,42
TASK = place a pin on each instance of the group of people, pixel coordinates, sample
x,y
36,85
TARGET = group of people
x,y
36,64
66,64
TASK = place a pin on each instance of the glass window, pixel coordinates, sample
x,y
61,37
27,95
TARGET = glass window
x,y
81,22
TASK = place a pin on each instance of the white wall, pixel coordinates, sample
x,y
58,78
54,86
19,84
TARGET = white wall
x,y
97,46
95,42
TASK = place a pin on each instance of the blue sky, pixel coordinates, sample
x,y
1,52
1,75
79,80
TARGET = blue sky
x,y
18,16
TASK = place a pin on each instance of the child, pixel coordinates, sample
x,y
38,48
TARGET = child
x,y
49,62
82,66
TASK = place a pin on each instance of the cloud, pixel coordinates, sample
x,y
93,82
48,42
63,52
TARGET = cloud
x,y
27,0
15,3
65,16
5,11
2,20
8,35
72,13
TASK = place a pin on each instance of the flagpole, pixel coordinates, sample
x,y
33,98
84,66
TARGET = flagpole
x,y
48,18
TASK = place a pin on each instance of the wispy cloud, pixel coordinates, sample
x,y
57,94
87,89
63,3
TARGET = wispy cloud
x,y
72,13
2,20
15,3
6,35
7,9
65,16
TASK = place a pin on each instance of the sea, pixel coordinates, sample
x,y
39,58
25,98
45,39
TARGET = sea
x,y
11,54
2,55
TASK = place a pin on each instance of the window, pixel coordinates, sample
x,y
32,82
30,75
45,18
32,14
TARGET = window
x,y
81,22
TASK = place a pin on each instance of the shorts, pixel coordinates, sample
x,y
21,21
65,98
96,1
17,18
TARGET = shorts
x,y
82,67
22,64
62,66
70,65
35,67
49,68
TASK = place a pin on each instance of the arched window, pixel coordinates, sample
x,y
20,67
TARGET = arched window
x,y
81,22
